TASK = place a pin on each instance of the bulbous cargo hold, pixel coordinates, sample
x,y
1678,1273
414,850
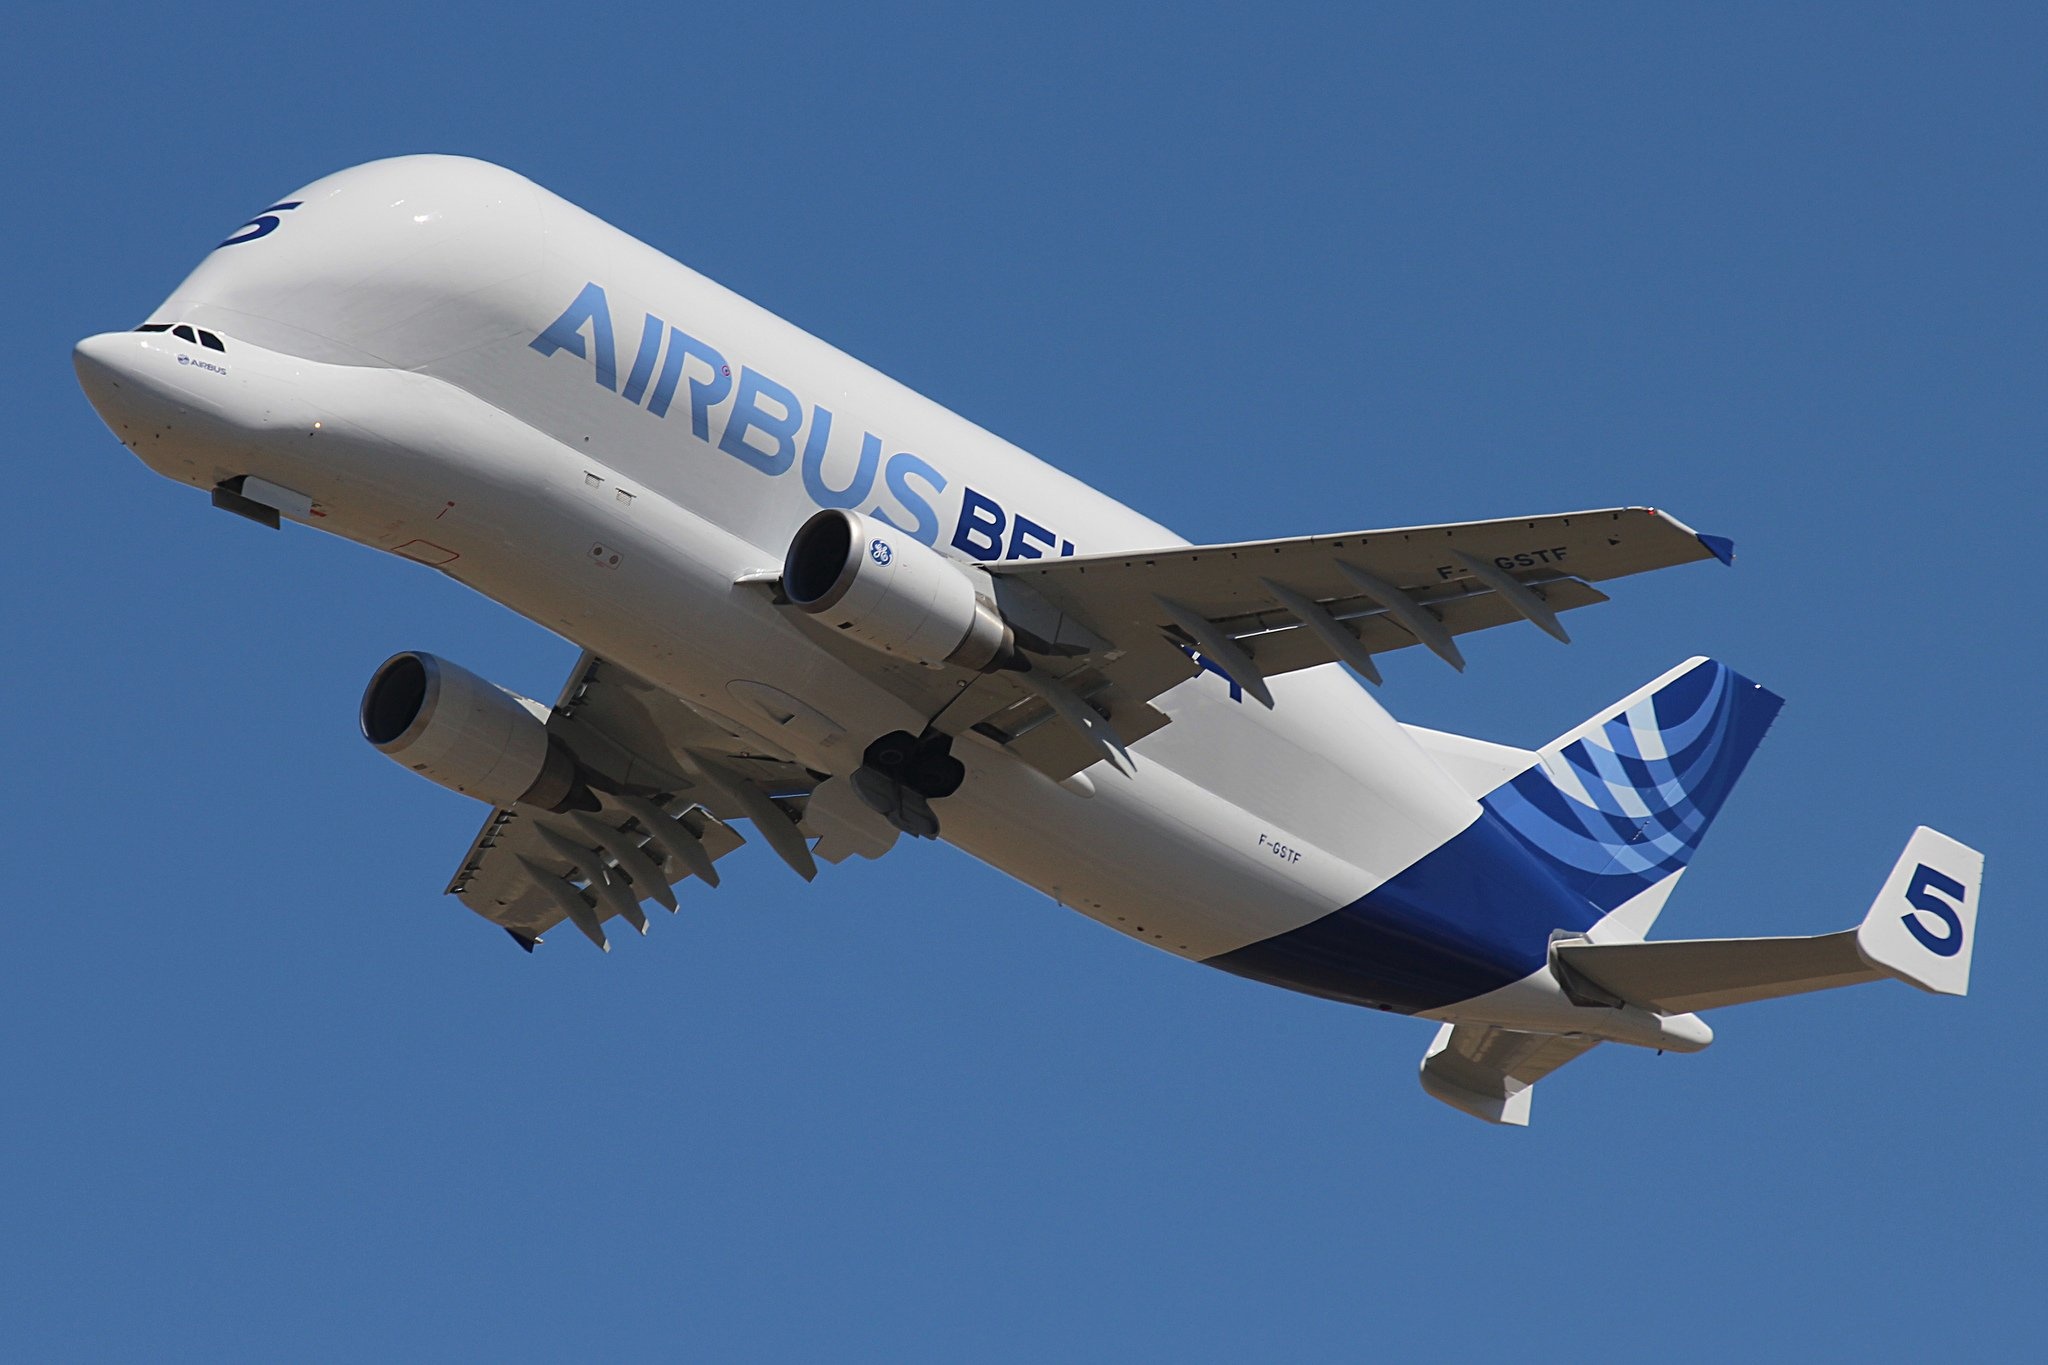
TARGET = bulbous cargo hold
x,y
471,736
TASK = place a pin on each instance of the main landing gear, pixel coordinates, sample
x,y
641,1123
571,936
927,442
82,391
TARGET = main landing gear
x,y
901,774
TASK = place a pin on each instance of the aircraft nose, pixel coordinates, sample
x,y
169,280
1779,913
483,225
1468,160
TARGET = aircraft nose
x,y
104,363
124,378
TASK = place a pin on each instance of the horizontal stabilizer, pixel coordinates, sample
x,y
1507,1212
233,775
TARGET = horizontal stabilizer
x,y
1679,976
1920,929
1489,1072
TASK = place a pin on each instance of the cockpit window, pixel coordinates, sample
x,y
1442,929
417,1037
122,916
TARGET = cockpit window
x,y
209,340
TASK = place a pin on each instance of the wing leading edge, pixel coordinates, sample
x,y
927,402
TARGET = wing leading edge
x,y
1258,609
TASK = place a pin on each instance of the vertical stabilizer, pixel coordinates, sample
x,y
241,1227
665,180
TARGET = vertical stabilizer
x,y
1618,805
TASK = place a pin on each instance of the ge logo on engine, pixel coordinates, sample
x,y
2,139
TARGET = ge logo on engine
x,y
878,550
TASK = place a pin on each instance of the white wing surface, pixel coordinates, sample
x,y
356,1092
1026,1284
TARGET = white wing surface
x,y
668,781
1117,630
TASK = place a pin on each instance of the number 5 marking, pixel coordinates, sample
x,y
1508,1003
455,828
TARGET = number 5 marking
x,y
1919,895
263,224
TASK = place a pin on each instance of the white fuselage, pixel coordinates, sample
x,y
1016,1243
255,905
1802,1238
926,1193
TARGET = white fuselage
x,y
381,360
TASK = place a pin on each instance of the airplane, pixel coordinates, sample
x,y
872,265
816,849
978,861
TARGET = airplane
x,y
813,602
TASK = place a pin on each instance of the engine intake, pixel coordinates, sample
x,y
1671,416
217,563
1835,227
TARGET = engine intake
x,y
448,725
894,593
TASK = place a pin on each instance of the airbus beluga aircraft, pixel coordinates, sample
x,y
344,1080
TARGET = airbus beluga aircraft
x,y
812,602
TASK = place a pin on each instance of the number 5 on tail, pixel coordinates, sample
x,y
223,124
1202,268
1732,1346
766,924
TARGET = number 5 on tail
x,y
1923,925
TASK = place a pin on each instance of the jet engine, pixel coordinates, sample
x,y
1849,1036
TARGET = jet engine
x,y
894,593
448,725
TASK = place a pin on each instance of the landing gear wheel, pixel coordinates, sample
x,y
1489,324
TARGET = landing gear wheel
x,y
901,806
901,774
892,753
937,774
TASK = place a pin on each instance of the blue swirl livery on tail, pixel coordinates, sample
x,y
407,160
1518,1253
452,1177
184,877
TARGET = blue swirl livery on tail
x,y
1618,805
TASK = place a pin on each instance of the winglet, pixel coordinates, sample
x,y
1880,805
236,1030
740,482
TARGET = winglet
x,y
1720,547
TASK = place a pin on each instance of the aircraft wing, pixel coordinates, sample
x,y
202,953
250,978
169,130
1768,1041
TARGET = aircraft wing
x,y
1123,628
669,780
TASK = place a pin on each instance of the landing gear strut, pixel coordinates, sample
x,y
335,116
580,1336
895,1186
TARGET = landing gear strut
x,y
901,774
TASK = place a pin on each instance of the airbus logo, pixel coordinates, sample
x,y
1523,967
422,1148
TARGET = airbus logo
x,y
766,425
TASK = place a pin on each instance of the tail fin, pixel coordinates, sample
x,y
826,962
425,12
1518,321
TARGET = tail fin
x,y
1617,806
1923,926
1921,929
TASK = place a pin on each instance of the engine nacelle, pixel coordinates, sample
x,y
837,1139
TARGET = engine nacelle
x,y
450,726
894,593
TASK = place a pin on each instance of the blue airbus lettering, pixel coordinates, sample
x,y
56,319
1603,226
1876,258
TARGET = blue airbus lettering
x,y
766,426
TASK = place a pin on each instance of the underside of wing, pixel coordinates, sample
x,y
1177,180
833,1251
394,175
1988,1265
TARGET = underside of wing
x,y
665,782
1262,608
518,877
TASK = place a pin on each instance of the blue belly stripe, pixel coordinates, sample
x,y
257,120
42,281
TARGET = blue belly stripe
x,y
1468,918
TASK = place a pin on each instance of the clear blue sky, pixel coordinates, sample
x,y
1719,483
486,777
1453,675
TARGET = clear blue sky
x,y
1779,269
